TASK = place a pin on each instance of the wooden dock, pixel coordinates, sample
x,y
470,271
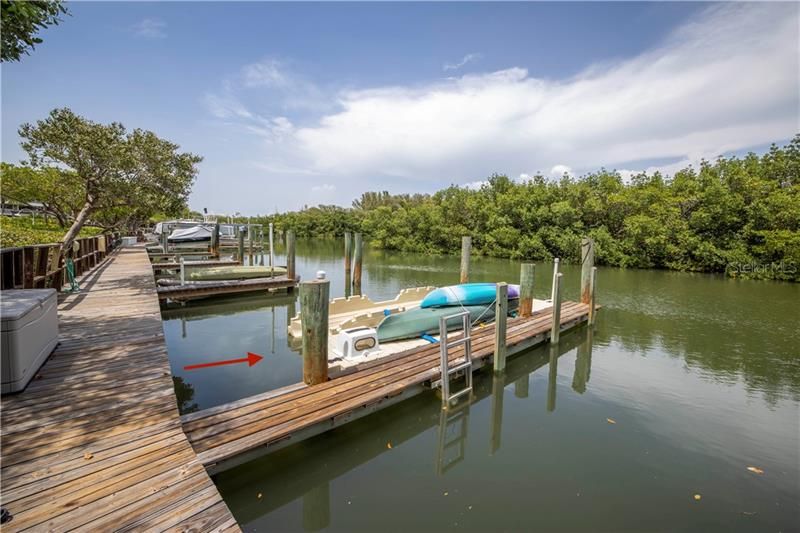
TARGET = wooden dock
x,y
95,441
173,265
213,288
237,432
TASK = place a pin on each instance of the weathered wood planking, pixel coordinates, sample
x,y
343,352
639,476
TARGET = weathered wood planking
x,y
227,435
95,440
211,288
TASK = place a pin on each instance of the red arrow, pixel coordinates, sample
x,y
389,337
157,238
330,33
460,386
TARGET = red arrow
x,y
251,359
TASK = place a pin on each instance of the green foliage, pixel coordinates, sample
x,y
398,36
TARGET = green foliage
x,y
735,215
114,177
27,230
22,20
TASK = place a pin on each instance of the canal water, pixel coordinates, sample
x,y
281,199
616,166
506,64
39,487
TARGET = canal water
x,y
679,411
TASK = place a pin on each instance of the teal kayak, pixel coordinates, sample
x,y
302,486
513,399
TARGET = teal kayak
x,y
466,294
416,322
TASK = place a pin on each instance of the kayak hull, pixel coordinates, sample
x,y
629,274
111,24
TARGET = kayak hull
x,y
416,322
466,294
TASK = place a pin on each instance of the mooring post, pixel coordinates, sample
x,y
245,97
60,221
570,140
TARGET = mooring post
x,y
526,272
358,254
466,249
500,319
314,297
240,237
250,240
271,250
290,254
215,240
592,289
555,329
587,264
183,272
555,275
348,250
164,238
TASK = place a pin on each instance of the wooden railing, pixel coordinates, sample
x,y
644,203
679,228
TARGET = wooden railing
x,y
40,265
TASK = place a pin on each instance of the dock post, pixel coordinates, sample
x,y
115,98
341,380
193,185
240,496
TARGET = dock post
x,y
271,250
555,275
240,237
183,272
215,240
164,239
526,272
314,296
466,249
500,319
290,254
358,254
250,240
555,328
592,287
587,264
348,250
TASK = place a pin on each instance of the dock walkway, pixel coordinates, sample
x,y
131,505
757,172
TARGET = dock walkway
x,y
95,441
234,433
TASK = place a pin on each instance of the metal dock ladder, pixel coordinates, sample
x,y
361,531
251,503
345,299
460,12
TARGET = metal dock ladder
x,y
460,365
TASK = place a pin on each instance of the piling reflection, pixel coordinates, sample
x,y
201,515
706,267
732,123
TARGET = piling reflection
x,y
317,508
583,364
496,433
552,378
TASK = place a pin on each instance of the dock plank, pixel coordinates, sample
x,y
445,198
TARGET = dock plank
x,y
95,441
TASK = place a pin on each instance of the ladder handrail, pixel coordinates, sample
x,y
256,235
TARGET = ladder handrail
x,y
444,347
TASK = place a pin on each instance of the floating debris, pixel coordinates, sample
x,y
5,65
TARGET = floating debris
x,y
697,497
445,493
755,470
389,445
259,496
611,421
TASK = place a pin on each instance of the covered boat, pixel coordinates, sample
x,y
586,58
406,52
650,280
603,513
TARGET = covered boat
x,y
234,272
192,234
466,294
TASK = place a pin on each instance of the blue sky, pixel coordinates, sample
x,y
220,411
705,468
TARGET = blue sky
x,y
294,104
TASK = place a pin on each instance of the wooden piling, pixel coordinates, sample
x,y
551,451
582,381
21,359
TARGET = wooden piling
x,y
466,249
183,271
555,276
592,290
290,255
214,248
250,240
587,264
358,253
271,249
526,272
164,239
314,296
240,243
500,319
348,250
555,329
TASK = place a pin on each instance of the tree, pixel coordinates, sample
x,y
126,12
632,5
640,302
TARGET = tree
x,y
22,20
56,189
121,177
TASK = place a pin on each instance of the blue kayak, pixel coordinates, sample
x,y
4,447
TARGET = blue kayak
x,y
414,323
466,294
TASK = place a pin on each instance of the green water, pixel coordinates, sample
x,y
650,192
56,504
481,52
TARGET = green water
x,y
700,373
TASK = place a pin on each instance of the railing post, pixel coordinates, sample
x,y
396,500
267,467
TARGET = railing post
x,y
314,296
555,329
290,254
27,267
526,271
555,276
183,272
358,254
587,264
500,320
466,249
592,290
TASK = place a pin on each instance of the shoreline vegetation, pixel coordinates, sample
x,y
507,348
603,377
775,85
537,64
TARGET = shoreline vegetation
x,y
26,231
735,215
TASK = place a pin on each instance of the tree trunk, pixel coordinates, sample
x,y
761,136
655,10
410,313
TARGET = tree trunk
x,y
77,224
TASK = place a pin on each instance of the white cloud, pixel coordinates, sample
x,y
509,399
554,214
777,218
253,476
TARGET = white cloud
x,y
560,170
324,188
466,59
725,81
266,73
150,28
